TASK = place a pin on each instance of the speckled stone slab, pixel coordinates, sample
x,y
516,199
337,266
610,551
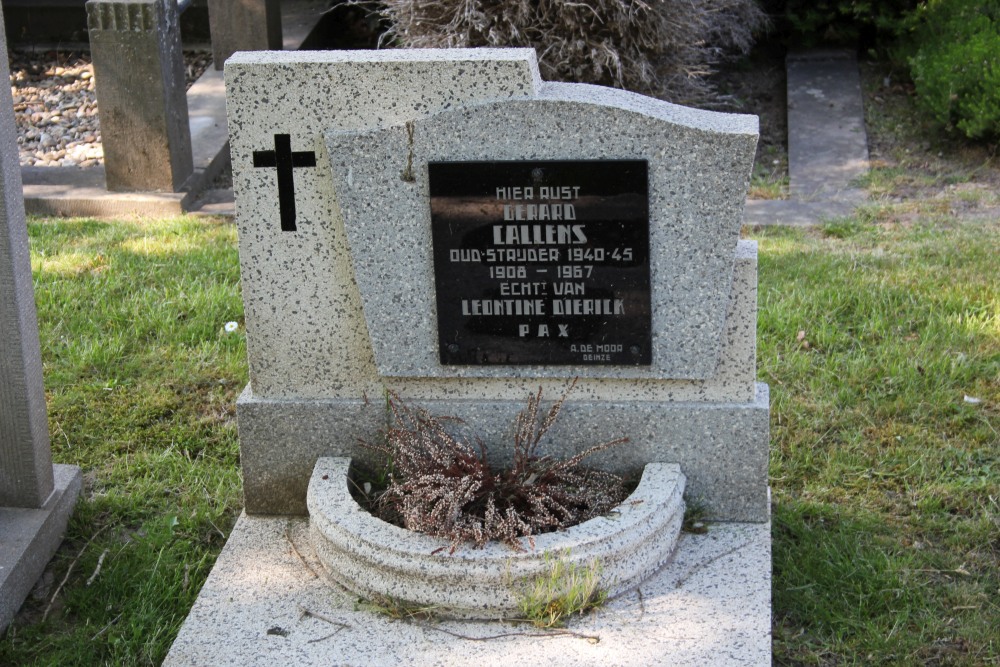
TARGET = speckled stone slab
x,y
717,429
306,335
266,603
699,163
324,342
722,448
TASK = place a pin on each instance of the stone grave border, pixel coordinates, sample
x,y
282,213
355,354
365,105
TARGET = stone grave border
x,y
36,497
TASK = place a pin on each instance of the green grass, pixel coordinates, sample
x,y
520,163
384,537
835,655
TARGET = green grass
x,y
568,589
886,480
141,381
769,179
912,162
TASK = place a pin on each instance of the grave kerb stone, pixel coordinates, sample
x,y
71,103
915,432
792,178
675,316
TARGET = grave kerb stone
x,y
25,461
247,25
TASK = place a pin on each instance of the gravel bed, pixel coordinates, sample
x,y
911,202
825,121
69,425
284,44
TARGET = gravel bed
x,y
55,106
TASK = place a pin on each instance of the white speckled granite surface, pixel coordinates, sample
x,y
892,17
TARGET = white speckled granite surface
x,y
318,366
697,186
709,606
369,556
306,337
326,331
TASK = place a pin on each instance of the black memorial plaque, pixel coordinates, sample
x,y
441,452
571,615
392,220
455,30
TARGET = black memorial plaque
x,y
542,262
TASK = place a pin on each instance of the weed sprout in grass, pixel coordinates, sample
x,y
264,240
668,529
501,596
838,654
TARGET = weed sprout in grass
x,y
566,589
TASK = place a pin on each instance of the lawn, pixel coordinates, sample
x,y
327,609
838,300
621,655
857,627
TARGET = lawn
x,y
881,343
141,382
882,348
879,335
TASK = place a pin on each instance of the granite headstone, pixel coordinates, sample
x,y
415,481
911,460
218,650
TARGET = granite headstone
x,y
446,224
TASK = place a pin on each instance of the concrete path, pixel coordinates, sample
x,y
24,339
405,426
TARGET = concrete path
x,y
72,191
827,143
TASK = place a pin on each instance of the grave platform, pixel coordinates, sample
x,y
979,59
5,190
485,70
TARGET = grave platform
x,y
267,603
364,177
31,537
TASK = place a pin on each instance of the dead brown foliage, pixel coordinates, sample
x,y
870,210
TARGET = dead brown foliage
x,y
661,47
441,484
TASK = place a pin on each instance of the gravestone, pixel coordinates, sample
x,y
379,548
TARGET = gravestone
x,y
247,25
36,497
345,174
139,70
445,224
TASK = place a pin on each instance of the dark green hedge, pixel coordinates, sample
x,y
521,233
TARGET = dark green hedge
x,y
950,47
863,23
955,64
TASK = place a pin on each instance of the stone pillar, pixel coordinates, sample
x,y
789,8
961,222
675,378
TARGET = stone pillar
x,y
139,68
243,25
36,498
25,462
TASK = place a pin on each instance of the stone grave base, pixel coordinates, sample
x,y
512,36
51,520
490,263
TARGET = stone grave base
x,y
30,537
268,603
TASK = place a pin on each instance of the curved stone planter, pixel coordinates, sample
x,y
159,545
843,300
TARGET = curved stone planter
x,y
371,557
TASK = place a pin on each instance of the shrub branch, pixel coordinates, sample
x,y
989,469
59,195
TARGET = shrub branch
x,y
442,484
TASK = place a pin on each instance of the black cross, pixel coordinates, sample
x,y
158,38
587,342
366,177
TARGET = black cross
x,y
285,160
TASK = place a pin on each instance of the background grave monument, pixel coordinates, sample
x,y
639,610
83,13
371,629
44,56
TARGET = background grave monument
x,y
36,497
136,46
446,224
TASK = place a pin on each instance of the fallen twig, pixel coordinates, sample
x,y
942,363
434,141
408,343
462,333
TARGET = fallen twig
x,y
593,639
69,571
309,567
701,566
97,570
308,612
323,638
321,617
958,570
217,529
105,628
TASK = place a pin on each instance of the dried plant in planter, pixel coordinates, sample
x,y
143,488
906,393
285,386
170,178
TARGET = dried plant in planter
x,y
442,485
